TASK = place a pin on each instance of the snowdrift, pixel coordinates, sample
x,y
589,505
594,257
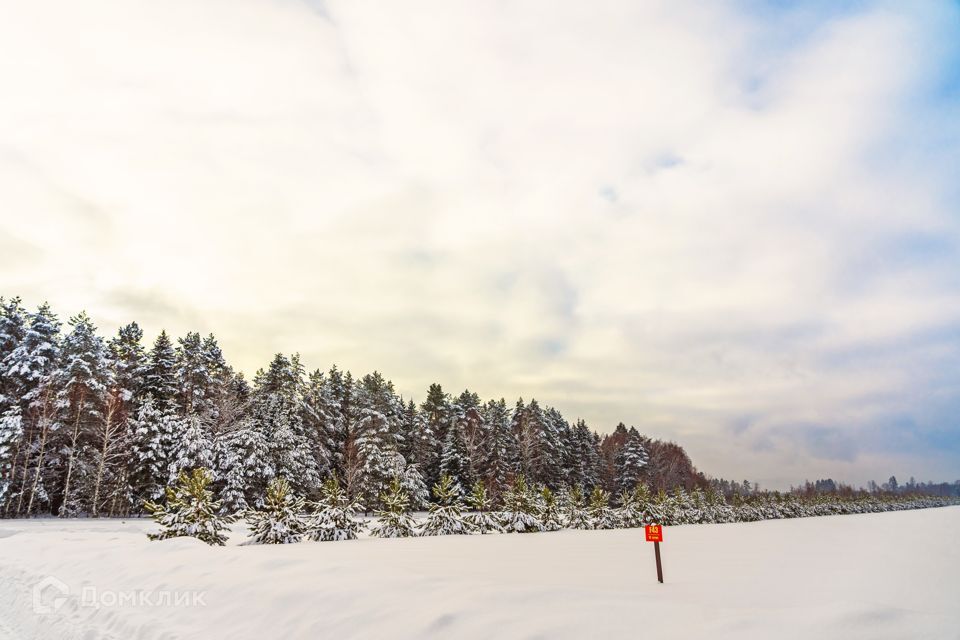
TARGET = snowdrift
x,y
885,575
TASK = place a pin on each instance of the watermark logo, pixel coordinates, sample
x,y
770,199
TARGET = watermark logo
x,y
50,594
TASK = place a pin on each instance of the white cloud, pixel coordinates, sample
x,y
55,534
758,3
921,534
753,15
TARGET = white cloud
x,y
709,222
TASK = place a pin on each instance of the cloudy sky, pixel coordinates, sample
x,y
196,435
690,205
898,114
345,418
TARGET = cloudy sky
x,y
731,224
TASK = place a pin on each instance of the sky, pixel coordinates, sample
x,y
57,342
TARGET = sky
x,y
732,224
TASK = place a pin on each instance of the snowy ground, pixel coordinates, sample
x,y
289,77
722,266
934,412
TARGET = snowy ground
x,y
889,575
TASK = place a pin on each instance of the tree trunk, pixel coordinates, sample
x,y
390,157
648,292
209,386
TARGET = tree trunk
x,y
73,454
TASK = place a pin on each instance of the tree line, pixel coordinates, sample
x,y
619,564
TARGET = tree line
x,y
94,426
284,517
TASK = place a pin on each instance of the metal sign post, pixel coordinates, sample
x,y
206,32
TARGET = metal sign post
x,y
655,535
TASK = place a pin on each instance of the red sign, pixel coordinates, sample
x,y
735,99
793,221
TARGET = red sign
x,y
654,533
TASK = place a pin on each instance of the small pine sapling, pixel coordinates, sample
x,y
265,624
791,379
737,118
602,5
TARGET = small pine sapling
x,y
643,504
601,515
445,516
626,515
334,517
576,512
549,512
281,520
190,510
395,520
519,508
480,519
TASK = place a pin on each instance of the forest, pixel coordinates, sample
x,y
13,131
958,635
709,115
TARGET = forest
x,y
100,427
97,426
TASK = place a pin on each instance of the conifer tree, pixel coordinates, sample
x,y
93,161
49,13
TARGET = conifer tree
x,y
395,520
576,514
601,516
281,519
192,449
454,461
436,412
481,518
13,329
190,510
631,461
244,464
501,451
11,438
160,381
549,513
334,517
445,517
519,512
377,414
196,385
81,382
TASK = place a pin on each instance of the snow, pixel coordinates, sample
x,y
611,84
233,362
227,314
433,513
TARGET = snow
x,y
884,575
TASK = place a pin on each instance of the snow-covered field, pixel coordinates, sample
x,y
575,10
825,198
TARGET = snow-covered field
x,y
886,575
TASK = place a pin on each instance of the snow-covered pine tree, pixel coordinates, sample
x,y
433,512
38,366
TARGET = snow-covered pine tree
x,y
376,423
549,513
334,517
160,380
481,519
339,388
192,449
519,512
277,411
631,461
81,382
193,377
322,423
190,510
576,516
395,520
454,460
436,412
474,430
500,450
281,519
599,511
11,438
153,450
411,480
244,465
628,513
445,517
13,329
539,443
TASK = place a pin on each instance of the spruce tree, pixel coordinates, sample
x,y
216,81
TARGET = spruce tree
x,y
576,516
190,510
334,517
501,451
599,512
81,382
281,519
445,517
244,464
481,519
454,461
377,412
192,449
395,520
548,511
631,461
519,512
160,381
